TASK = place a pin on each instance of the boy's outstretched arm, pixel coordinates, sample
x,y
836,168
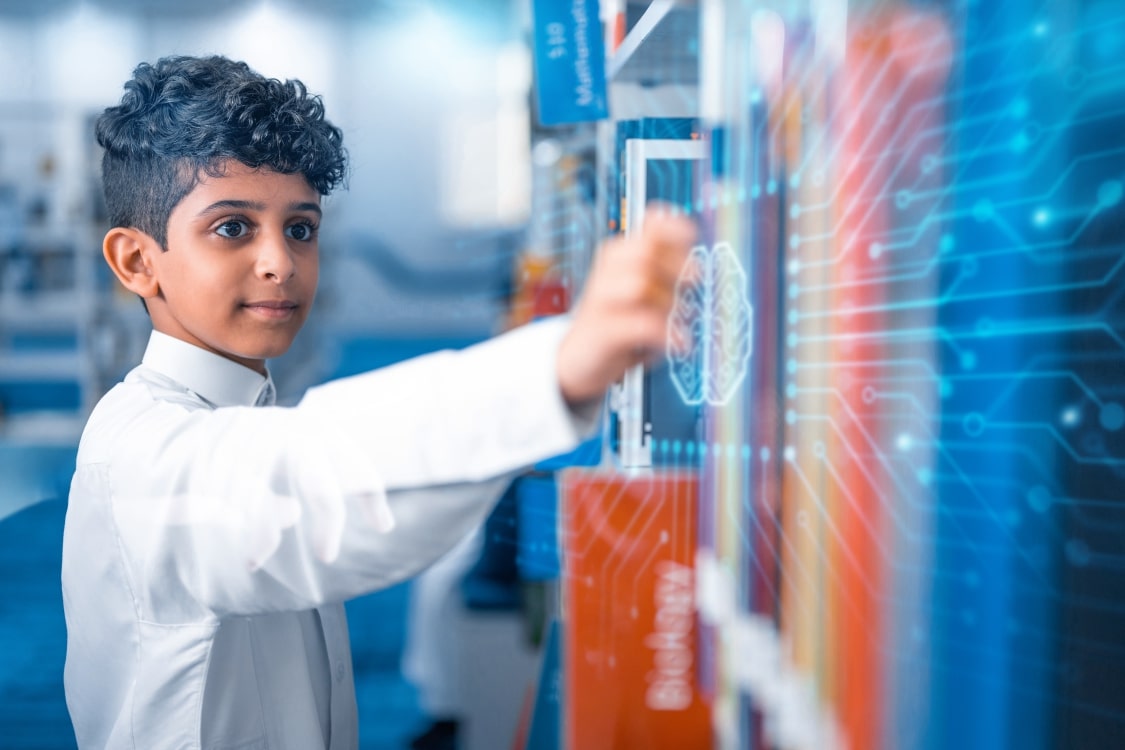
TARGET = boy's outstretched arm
x,y
621,319
243,510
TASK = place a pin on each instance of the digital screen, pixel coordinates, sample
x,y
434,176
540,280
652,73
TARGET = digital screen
x,y
912,489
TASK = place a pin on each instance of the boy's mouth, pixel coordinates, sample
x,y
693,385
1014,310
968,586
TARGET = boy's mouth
x,y
272,309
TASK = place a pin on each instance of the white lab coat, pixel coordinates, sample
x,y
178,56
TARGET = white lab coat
x,y
208,546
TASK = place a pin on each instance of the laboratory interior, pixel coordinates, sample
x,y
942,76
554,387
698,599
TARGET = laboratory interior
x,y
871,496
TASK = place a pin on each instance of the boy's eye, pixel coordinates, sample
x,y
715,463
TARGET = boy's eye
x,y
300,232
231,229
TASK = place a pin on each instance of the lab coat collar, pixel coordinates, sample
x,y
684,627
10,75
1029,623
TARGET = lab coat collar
x,y
218,380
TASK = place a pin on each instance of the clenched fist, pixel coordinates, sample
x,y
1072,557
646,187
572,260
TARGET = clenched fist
x,y
621,320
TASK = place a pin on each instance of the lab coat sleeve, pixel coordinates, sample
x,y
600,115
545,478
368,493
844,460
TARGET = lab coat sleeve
x,y
366,481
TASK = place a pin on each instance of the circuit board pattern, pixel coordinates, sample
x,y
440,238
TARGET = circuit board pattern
x,y
911,529
920,485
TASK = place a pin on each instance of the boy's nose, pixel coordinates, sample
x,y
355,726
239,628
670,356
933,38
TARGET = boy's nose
x,y
275,260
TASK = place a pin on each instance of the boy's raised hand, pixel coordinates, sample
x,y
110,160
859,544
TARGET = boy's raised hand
x,y
621,319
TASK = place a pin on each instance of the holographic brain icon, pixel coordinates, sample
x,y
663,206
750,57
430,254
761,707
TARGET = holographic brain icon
x,y
709,339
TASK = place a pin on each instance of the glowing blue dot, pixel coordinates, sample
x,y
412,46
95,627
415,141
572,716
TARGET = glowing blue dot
x,y
875,250
968,360
794,266
790,417
982,210
1039,29
946,244
663,446
1078,553
791,390
791,340
973,424
690,448
1070,416
791,366
794,291
795,180
925,476
755,96
745,451
1020,108
904,442
794,241
675,446
755,191
1041,217
1112,416
1039,498
794,211
764,454
945,388
790,453
1109,193
793,316
771,187
1020,142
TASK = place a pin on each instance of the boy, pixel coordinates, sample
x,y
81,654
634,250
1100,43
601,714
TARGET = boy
x,y
208,543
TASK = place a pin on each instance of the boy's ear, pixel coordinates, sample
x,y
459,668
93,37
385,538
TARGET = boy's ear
x,y
129,253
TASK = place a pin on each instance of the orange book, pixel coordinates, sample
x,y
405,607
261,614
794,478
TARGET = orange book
x,y
629,618
865,121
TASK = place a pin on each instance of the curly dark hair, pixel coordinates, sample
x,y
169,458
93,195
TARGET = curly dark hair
x,y
185,116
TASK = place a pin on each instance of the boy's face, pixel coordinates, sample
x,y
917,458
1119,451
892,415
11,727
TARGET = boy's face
x,y
240,271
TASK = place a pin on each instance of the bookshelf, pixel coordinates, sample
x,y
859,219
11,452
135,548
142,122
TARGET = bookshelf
x,y
661,48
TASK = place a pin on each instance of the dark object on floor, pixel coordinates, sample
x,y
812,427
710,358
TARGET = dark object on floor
x,y
441,735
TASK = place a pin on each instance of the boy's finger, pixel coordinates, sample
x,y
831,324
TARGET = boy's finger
x,y
670,239
674,232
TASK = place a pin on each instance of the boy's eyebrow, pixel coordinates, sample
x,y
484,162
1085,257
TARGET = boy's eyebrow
x,y
306,207
252,206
